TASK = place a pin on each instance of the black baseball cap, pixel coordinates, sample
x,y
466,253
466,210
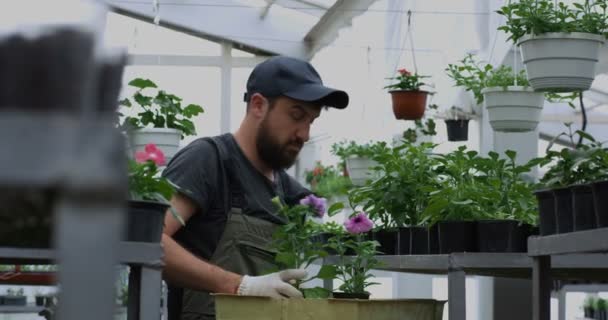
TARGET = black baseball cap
x,y
293,78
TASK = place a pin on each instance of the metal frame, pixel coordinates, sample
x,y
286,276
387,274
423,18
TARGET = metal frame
x,y
84,163
458,265
144,259
546,250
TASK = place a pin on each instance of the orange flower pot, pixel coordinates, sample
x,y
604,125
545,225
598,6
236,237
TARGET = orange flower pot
x,y
408,105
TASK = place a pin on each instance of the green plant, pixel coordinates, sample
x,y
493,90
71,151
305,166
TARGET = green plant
x,y
406,81
145,181
589,302
328,181
354,271
601,304
475,76
162,110
587,162
543,16
399,197
473,187
296,244
426,127
345,149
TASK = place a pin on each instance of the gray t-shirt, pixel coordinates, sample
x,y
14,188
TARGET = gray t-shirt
x,y
196,171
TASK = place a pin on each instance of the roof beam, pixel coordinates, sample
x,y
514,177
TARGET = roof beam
x,y
304,6
340,15
266,9
218,23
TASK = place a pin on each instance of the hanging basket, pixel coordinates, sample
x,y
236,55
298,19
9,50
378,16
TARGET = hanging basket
x,y
561,62
408,105
513,109
458,130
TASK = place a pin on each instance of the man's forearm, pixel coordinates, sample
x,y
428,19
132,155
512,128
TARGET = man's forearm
x,y
185,270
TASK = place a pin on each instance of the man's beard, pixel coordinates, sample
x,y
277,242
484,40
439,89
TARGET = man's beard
x,y
275,155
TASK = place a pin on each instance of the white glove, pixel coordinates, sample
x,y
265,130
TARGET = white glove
x,y
275,285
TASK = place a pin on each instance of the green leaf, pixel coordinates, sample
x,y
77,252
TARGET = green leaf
x,y
192,110
125,102
142,83
335,208
327,272
144,101
315,293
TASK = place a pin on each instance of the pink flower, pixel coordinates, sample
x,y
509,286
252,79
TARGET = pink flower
x,y
359,224
319,205
152,153
404,72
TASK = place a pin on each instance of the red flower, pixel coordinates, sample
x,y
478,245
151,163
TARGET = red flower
x,y
317,171
404,72
151,152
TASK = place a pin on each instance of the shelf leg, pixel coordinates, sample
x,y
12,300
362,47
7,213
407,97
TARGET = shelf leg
x,y
457,295
541,288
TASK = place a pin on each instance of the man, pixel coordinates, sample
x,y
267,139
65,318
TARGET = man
x,y
225,185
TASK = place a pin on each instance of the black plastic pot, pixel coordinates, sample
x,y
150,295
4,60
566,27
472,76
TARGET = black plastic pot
x,y
546,208
582,206
404,241
343,295
600,202
434,239
563,210
419,240
502,236
388,241
145,221
458,130
40,301
589,313
600,314
14,301
457,236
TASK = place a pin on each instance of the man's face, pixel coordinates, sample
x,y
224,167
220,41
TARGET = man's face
x,y
284,130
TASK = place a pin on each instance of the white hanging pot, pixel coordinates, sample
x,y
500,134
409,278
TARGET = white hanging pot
x,y
359,169
513,109
561,62
166,139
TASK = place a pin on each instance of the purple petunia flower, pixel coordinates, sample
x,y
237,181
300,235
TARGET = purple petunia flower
x,y
318,204
359,224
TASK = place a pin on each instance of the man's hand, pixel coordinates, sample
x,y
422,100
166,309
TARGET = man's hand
x,y
275,285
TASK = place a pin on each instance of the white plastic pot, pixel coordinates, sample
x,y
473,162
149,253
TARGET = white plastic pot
x,y
167,140
516,109
561,62
359,169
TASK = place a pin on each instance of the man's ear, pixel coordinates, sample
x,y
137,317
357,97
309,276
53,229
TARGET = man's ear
x,y
258,105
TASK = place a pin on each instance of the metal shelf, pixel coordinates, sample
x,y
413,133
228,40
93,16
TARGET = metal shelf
x,y
595,240
511,265
20,309
547,251
132,253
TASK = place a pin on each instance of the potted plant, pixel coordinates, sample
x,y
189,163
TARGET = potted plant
x,y
148,196
509,209
559,43
296,248
354,272
328,181
359,159
409,101
512,106
398,198
161,119
589,307
569,177
601,307
457,123
422,128
295,241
